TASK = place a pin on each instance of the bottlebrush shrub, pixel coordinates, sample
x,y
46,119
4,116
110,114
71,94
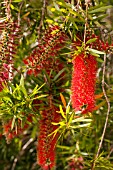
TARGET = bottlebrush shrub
x,y
17,130
44,55
84,74
46,143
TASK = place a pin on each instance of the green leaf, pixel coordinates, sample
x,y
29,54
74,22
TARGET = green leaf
x,y
41,96
13,122
67,110
41,86
99,18
62,112
17,1
56,6
73,22
100,60
80,126
81,119
100,9
12,7
22,86
22,81
60,72
91,40
50,21
70,119
54,123
63,147
96,51
36,89
94,54
54,132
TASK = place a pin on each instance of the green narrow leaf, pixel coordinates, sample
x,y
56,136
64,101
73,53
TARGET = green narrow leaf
x,y
62,112
100,60
67,110
70,118
12,7
35,90
80,126
81,119
60,72
96,51
22,81
16,0
100,9
22,87
13,122
41,86
56,6
41,96
94,54
54,123
91,40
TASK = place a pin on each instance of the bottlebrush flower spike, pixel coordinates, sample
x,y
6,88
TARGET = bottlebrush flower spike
x,y
44,55
46,144
8,44
84,74
83,83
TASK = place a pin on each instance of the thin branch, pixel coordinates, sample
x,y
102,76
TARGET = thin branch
x,y
86,22
20,5
111,151
21,153
107,115
7,10
42,17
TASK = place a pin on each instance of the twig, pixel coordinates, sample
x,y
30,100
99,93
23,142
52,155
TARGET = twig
x,y
21,153
7,10
86,22
42,17
111,151
19,13
107,115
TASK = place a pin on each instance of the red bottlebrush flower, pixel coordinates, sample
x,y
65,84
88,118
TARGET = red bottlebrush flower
x,y
46,144
84,74
83,83
44,55
9,36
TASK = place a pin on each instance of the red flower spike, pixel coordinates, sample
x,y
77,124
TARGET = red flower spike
x,y
9,38
83,83
84,74
49,46
46,144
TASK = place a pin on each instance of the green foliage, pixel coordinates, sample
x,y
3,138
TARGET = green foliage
x,y
16,101
79,135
